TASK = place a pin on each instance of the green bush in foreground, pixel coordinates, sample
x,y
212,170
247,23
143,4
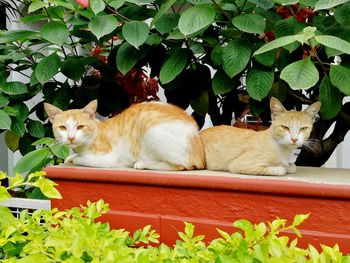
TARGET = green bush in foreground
x,y
74,236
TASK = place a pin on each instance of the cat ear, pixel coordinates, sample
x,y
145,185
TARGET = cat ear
x,y
52,111
313,109
91,109
276,108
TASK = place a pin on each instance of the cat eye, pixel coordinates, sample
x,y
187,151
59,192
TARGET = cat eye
x,y
80,127
285,127
62,128
303,128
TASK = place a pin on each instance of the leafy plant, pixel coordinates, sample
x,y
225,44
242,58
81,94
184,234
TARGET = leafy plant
x,y
35,185
74,236
219,57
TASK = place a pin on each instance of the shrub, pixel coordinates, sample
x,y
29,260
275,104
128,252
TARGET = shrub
x,y
74,236
84,50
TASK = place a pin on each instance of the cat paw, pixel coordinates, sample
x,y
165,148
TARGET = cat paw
x,y
291,169
278,170
139,165
70,159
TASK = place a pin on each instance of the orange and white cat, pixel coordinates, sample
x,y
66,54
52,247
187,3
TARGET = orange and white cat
x,y
151,135
267,152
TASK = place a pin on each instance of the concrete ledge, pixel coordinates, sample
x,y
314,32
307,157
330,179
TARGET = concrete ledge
x,y
213,199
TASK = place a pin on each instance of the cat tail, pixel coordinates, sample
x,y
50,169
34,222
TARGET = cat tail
x,y
197,153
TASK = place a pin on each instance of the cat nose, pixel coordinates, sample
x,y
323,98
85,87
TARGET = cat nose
x,y
71,139
294,140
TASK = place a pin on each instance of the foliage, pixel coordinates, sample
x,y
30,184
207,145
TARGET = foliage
x,y
206,54
35,185
73,236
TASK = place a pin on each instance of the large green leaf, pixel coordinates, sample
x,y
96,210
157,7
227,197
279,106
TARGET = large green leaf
x,y
36,5
235,56
73,67
196,18
334,42
327,4
288,27
47,68
127,57
340,77
135,32
221,83
167,23
55,32
31,160
162,10
259,82
302,74
101,25
5,121
173,66
279,42
17,126
36,128
60,150
16,35
265,4
331,99
13,88
342,14
200,104
250,23
97,6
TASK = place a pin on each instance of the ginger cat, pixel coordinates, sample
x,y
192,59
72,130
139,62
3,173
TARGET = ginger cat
x,y
268,152
151,135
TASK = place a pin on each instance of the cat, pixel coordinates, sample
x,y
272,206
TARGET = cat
x,y
267,152
151,135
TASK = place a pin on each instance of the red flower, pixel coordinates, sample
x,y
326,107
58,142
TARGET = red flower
x,y
83,3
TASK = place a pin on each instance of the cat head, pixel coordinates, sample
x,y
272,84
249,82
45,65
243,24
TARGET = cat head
x,y
292,128
73,127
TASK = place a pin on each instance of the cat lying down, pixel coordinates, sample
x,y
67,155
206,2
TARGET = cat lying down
x,y
268,152
152,135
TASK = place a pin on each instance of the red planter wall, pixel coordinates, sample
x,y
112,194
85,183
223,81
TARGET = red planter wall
x,y
211,200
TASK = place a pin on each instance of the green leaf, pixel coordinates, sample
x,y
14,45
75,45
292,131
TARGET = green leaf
x,y
47,68
73,67
135,32
235,56
331,99
101,25
33,18
22,111
35,128
340,77
279,42
165,6
60,150
216,55
47,188
34,6
5,121
4,195
167,23
342,14
298,219
13,88
17,126
173,66
322,4
31,160
250,23
267,58
196,18
46,141
264,4
97,6
16,35
221,83
287,27
127,57
55,32
288,2
302,74
4,100
259,82
334,42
